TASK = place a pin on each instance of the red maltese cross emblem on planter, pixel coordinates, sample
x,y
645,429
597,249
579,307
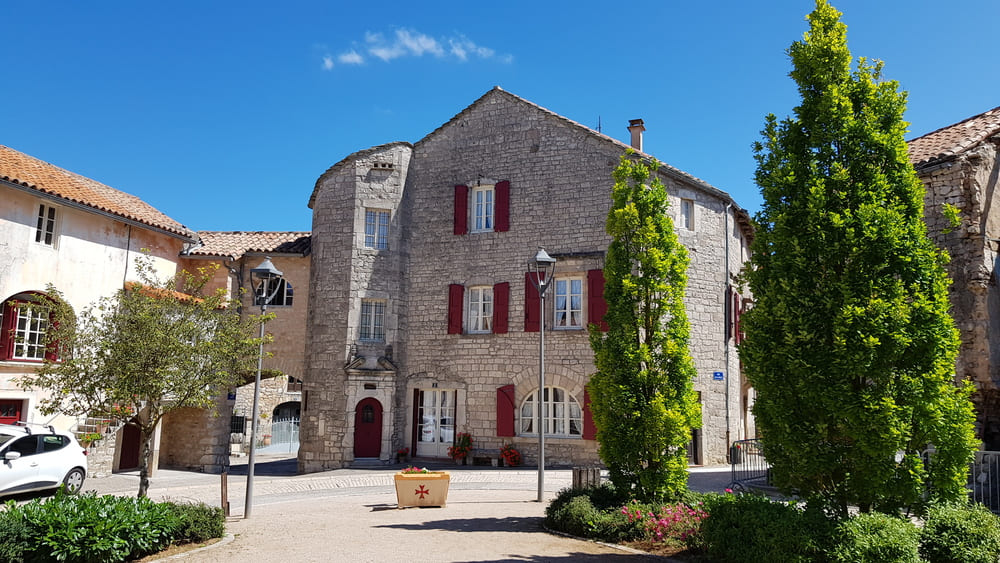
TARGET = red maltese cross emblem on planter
x,y
422,491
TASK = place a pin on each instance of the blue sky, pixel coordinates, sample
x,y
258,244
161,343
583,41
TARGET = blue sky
x,y
223,114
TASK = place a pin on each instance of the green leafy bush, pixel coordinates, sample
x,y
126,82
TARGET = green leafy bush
x,y
197,522
592,512
960,534
15,535
753,528
875,538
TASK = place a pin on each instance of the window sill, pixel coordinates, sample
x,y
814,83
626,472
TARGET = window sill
x,y
552,436
568,328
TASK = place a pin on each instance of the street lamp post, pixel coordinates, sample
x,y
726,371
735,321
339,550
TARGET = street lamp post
x,y
541,271
265,272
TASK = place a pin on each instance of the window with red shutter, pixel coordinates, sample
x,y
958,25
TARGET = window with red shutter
x,y
597,307
531,303
589,430
461,210
502,207
505,411
501,304
456,294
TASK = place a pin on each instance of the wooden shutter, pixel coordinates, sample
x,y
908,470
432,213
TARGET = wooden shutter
x,y
505,411
738,312
416,424
597,307
461,210
531,302
501,206
501,304
456,295
589,430
6,331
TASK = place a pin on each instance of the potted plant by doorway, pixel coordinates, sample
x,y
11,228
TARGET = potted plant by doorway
x,y
462,448
420,487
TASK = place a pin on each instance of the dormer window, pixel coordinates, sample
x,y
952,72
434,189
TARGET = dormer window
x,y
45,227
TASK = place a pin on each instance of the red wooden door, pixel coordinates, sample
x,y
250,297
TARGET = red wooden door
x,y
368,428
129,458
10,411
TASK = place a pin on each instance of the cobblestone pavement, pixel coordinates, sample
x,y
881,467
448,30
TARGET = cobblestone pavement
x,y
351,515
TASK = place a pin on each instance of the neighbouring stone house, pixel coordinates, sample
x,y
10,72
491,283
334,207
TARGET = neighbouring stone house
x,y
422,322
236,253
82,237
958,165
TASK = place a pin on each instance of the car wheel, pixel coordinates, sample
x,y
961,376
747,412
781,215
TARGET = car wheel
x,y
74,480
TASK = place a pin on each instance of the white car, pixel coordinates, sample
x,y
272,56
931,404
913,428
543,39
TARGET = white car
x,y
35,460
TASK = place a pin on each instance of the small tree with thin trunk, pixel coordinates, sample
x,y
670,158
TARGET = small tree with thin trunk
x,y
850,345
151,348
642,396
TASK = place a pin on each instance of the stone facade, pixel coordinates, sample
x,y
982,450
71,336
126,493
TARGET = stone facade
x,y
958,165
559,178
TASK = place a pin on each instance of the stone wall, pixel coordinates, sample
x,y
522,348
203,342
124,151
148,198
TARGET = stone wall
x,y
969,183
196,439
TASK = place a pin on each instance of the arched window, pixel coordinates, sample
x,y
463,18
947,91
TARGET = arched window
x,y
22,329
562,415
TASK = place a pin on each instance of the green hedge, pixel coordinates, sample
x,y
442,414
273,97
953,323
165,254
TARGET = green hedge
x,y
92,529
960,534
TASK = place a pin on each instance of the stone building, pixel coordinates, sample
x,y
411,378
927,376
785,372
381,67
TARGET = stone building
x,y
422,323
958,166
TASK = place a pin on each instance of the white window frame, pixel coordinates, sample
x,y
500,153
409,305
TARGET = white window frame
x,y
377,228
687,214
46,225
30,326
371,321
483,208
563,416
283,297
480,309
563,304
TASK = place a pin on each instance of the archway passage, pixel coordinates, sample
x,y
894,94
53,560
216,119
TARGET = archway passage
x,y
129,457
368,428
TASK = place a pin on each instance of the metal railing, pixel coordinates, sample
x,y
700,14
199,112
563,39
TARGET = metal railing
x,y
749,468
984,480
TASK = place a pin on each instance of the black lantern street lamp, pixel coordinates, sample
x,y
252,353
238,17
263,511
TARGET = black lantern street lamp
x,y
266,273
541,271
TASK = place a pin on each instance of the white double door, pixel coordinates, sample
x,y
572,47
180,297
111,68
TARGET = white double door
x,y
435,421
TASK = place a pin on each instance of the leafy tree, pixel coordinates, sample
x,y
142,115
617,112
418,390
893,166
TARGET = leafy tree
x,y
642,396
850,345
151,348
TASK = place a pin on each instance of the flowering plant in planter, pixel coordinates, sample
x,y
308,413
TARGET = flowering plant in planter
x,y
511,457
401,454
89,438
462,447
414,469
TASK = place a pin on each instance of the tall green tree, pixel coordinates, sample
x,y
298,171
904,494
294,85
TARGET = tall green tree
x,y
151,348
642,396
850,344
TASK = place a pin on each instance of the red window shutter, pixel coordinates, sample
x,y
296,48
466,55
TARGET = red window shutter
x,y
456,295
505,411
589,430
501,207
531,302
501,303
738,312
597,307
7,332
52,350
461,210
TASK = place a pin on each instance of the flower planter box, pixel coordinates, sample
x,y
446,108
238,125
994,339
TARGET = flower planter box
x,y
422,489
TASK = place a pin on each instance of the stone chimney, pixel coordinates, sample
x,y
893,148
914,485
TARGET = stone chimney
x,y
636,127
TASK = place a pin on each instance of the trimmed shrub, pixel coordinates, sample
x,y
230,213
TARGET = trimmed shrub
x,y
592,512
960,534
15,536
875,538
197,522
752,528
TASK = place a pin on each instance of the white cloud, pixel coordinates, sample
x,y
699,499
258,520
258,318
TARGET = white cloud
x,y
327,62
462,47
351,58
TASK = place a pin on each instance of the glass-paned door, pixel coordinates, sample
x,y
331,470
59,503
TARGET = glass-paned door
x,y
435,422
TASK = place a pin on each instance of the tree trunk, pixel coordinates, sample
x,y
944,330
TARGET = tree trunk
x,y
145,455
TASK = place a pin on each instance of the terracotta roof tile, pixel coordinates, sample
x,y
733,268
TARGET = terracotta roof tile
x,y
234,244
954,139
30,172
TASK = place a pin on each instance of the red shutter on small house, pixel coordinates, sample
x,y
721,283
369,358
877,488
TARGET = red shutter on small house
x,y
461,210
505,411
52,349
6,332
456,294
501,304
531,302
597,307
589,430
738,312
501,209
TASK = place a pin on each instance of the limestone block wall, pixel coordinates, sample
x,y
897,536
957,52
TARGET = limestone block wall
x,y
969,182
196,439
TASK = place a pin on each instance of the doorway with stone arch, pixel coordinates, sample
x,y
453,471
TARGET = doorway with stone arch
x,y
368,428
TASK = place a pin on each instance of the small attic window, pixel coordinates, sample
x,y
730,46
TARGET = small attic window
x,y
382,166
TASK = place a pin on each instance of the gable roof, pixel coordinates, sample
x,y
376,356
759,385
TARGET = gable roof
x,y
234,244
349,159
950,141
31,174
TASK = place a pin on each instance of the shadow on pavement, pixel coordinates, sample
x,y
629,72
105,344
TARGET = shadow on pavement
x,y
509,524
272,467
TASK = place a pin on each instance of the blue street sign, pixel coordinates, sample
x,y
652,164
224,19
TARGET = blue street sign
x,y
718,376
